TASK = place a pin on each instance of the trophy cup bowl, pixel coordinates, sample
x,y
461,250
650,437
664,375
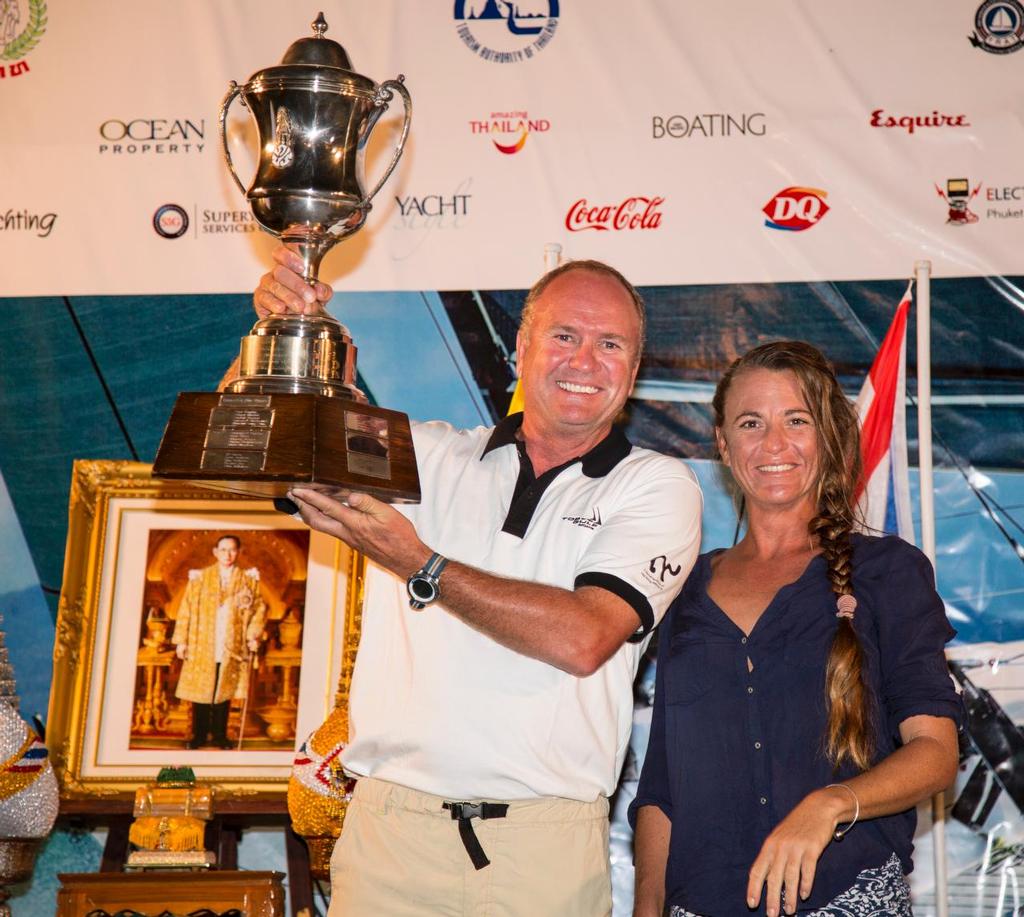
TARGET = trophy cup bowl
x,y
294,416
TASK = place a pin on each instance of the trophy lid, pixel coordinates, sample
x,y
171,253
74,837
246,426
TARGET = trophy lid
x,y
317,51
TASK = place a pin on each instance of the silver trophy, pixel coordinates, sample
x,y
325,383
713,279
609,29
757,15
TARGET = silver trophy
x,y
314,116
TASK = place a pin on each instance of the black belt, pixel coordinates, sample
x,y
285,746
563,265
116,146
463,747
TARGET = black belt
x,y
463,812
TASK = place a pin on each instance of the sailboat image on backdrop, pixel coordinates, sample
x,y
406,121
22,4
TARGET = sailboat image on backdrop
x,y
502,9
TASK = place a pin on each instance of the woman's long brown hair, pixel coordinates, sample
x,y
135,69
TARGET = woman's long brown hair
x,y
848,736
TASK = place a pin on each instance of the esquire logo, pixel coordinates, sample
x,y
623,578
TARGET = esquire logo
x,y
881,118
508,130
795,209
998,27
19,34
712,124
506,31
156,136
632,213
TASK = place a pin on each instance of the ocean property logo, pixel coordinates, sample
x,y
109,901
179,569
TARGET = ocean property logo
x,y
15,40
508,130
795,209
506,31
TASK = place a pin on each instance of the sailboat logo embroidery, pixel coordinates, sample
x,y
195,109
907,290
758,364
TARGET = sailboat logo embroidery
x,y
999,26
506,31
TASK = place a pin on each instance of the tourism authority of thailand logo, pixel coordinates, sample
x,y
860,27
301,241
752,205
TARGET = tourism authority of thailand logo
x,y
506,31
18,37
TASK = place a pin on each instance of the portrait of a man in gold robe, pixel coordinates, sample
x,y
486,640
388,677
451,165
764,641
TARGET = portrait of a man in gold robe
x,y
217,634
220,644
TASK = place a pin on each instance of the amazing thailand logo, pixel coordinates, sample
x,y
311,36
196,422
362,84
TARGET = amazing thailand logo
x,y
506,31
17,38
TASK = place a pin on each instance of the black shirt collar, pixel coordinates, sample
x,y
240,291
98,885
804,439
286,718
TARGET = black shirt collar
x,y
596,463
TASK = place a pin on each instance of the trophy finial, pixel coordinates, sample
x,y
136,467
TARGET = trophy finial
x,y
320,24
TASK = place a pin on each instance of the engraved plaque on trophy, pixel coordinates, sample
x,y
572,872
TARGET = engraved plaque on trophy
x,y
294,416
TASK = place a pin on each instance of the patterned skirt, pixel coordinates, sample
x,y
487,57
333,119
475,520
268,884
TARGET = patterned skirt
x,y
881,892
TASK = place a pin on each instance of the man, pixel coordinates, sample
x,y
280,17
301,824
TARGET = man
x,y
489,728
219,627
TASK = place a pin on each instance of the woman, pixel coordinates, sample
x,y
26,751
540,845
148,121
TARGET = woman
x,y
803,705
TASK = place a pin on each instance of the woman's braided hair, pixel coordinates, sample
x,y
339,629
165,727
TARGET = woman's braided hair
x,y
848,735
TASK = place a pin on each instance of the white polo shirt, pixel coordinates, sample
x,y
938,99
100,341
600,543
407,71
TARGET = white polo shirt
x,y
441,708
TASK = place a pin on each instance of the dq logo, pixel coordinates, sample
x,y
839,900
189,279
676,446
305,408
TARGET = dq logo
x,y
795,209
16,40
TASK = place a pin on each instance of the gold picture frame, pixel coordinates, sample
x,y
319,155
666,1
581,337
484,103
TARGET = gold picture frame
x,y
132,537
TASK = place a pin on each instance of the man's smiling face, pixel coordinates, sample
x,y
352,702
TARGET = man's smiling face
x,y
579,355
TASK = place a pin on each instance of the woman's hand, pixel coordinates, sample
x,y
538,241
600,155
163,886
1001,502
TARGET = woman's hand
x,y
789,855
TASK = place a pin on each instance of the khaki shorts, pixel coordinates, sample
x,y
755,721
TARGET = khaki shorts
x,y
400,855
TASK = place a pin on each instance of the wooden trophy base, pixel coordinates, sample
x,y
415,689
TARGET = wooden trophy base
x,y
262,445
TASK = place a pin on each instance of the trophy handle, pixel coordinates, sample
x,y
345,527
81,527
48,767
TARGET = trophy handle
x,y
232,94
384,95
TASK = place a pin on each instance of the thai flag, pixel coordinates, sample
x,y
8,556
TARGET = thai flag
x,y
883,494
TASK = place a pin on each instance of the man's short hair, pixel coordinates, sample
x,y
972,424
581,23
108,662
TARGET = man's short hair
x,y
594,267
234,538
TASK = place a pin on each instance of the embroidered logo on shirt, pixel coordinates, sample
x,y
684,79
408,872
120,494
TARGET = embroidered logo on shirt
x,y
658,568
592,521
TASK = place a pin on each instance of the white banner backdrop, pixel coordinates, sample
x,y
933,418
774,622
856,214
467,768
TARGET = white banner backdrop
x,y
684,142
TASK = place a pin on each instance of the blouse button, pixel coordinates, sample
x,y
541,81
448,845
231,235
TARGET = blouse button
x,y
750,690
764,801
757,745
743,640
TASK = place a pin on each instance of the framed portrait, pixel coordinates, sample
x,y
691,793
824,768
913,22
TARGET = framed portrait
x,y
196,627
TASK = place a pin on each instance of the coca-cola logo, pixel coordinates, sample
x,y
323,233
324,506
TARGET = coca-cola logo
x,y
910,123
795,209
632,213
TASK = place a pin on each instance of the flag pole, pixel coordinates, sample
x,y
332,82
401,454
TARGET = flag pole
x,y
922,277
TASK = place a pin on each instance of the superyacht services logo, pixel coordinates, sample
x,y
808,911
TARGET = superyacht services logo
x,y
508,130
19,36
170,221
591,522
632,213
795,209
506,31
151,136
998,27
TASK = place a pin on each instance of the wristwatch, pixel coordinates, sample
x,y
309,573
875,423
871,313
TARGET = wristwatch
x,y
423,586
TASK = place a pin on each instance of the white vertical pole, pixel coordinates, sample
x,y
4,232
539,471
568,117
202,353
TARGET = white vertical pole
x,y
552,256
922,276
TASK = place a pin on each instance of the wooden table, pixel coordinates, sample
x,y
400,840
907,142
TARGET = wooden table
x,y
255,894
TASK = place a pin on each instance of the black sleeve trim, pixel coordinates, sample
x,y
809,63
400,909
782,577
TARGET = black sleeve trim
x,y
629,594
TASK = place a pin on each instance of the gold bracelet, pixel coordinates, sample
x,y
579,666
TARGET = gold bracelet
x,y
840,833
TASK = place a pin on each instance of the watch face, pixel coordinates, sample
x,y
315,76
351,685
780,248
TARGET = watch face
x,y
422,589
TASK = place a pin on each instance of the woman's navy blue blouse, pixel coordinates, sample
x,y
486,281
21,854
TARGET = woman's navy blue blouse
x,y
732,751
